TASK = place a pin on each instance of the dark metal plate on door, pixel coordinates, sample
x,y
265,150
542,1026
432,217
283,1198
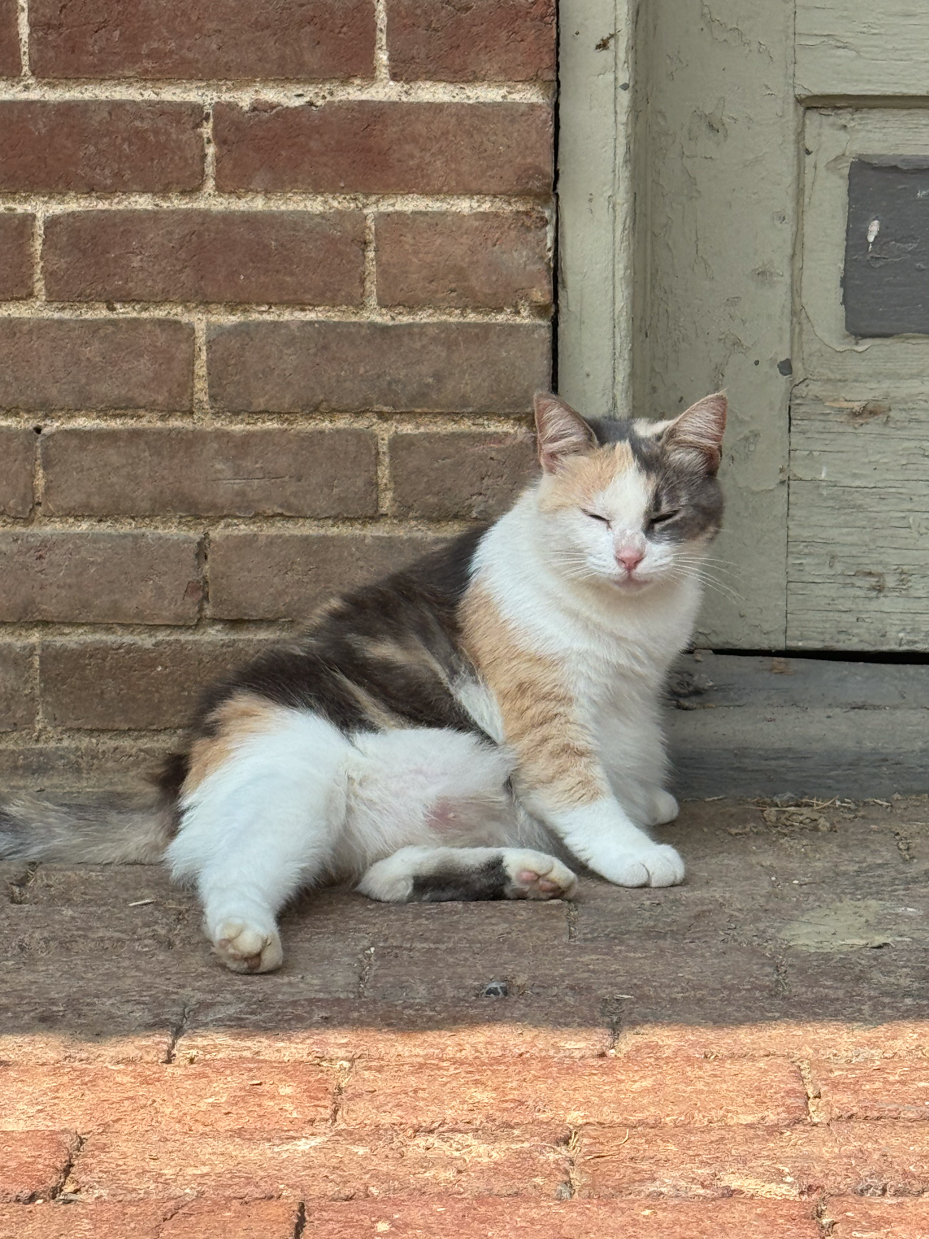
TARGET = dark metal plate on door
x,y
887,247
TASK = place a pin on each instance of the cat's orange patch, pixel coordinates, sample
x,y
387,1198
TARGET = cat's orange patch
x,y
236,720
582,478
554,750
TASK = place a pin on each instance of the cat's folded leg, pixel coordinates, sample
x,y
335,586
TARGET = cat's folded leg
x,y
438,874
256,830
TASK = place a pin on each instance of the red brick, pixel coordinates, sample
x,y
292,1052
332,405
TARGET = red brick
x,y
234,1219
254,1096
294,367
56,363
795,1039
804,1161
575,1219
100,147
76,762
82,1221
100,577
279,1027
461,1095
33,1163
161,470
324,1165
17,693
10,65
484,41
373,147
207,1219
288,257
853,1218
459,475
284,576
137,684
449,259
17,459
882,1089
15,256
202,39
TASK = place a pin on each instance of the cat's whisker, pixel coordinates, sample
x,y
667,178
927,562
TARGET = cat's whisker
x,y
717,587
684,571
711,564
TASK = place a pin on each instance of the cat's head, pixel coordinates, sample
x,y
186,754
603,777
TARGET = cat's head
x,y
629,503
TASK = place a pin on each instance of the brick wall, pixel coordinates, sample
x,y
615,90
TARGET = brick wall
x,y
275,290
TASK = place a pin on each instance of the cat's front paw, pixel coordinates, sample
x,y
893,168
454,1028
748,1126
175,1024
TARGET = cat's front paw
x,y
243,948
657,865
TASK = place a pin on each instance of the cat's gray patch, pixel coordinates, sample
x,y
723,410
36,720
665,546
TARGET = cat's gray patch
x,y
488,880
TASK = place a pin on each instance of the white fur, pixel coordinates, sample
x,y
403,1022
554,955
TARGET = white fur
x,y
260,827
303,802
553,575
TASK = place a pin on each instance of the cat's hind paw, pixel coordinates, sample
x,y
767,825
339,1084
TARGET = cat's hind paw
x,y
243,948
535,875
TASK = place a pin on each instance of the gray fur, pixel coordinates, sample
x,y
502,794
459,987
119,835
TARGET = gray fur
x,y
105,833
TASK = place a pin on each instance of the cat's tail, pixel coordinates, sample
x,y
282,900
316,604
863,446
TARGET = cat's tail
x,y
104,832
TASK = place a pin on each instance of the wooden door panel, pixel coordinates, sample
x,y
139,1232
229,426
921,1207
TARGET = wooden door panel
x,y
858,524
858,563
861,48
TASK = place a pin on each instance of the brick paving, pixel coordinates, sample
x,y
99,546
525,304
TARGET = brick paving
x,y
745,1055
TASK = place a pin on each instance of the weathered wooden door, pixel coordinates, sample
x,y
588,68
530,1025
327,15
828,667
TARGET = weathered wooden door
x,y
782,251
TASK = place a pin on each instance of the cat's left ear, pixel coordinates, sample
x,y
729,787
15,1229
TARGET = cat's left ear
x,y
560,430
699,432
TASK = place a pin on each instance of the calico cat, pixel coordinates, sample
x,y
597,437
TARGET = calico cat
x,y
458,730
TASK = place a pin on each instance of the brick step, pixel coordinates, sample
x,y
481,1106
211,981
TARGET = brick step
x,y
802,1162
207,1219
323,1164
545,1161
398,1218
245,1094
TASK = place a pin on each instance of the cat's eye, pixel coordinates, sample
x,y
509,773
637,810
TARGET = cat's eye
x,y
595,516
661,518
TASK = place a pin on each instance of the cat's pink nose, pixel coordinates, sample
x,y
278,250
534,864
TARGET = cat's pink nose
x,y
629,559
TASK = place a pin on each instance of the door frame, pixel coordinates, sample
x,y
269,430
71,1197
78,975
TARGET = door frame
x,y
634,78
596,202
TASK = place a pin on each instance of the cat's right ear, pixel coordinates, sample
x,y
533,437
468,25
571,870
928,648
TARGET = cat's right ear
x,y
560,431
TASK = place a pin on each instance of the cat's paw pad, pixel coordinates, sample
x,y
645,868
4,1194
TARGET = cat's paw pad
x,y
663,808
533,875
658,865
243,948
